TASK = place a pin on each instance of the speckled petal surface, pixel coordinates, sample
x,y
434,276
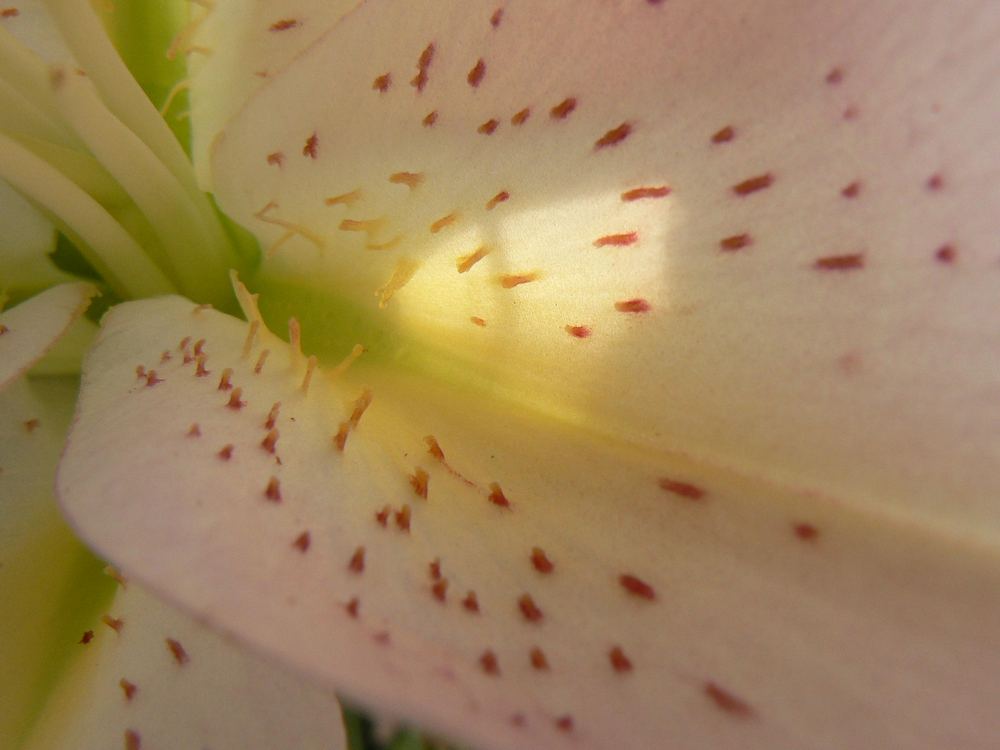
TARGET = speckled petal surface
x,y
507,579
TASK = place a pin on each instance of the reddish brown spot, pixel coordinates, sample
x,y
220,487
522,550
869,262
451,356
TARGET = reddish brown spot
x,y
434,448
805,531
423,63
835,76
935,182
177,651
132,740
497,497
9,12
518,720
946,254
430,118
272,416
434,568
636,586
165,356
128,688
496,18
226,452
444,221
637,305
849,262
488,661
529,609
260,361
851,190
725,135
302,541
152,379
520,117
579,332
619,662
539,660
565,723
753,184
402,517
488,127
199,347
270,441
360,406
659,191
4,329
382,638
30,425
466,262
357,561
728,702
476,320
541,561
511,280
273,490
194,430
140,372
418,481
352,607
311,147
735,242
382,83
470,602
284,25
276,159
475,76
681,489
226,381
340,439
87,637
563,109
115,623
200,370
235,400
614,136
851,113
410,179
617,240
344,199
497,199
382,516
440,590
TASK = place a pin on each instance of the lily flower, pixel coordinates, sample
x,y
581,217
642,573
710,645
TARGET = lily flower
x,y
640,381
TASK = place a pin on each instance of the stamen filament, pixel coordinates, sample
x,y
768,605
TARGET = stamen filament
x,y
106,245
159,196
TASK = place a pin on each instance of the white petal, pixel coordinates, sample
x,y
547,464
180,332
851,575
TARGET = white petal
x,y
848,349
747,614
30,329
153,678
235,48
